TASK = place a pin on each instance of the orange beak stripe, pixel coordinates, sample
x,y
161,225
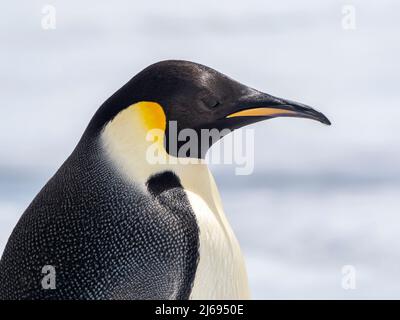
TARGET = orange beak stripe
x,y
256,112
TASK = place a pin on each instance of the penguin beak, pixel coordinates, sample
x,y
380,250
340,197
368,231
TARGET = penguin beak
x,y
258,106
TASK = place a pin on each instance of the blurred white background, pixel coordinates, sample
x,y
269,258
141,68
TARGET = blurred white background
x,y
319,198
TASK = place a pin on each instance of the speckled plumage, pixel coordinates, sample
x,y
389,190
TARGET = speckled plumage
x,y
106,238
116,226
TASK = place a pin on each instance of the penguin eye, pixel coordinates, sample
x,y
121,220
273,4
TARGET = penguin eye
x,y
210,102
215,104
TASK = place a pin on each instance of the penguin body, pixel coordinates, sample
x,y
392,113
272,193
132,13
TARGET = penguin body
x,y
116,226
127,245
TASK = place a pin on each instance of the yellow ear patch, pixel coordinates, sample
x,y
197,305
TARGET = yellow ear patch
x,y
133,125
150,113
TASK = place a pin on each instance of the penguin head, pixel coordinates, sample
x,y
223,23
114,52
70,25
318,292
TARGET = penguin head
x,y
195,97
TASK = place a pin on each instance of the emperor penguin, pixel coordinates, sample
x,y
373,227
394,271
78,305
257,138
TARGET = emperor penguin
x,y
111,224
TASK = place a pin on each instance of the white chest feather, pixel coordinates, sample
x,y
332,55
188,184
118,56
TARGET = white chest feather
x,y
221,273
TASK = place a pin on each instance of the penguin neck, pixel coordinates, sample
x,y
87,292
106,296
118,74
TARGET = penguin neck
x,y
133,138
